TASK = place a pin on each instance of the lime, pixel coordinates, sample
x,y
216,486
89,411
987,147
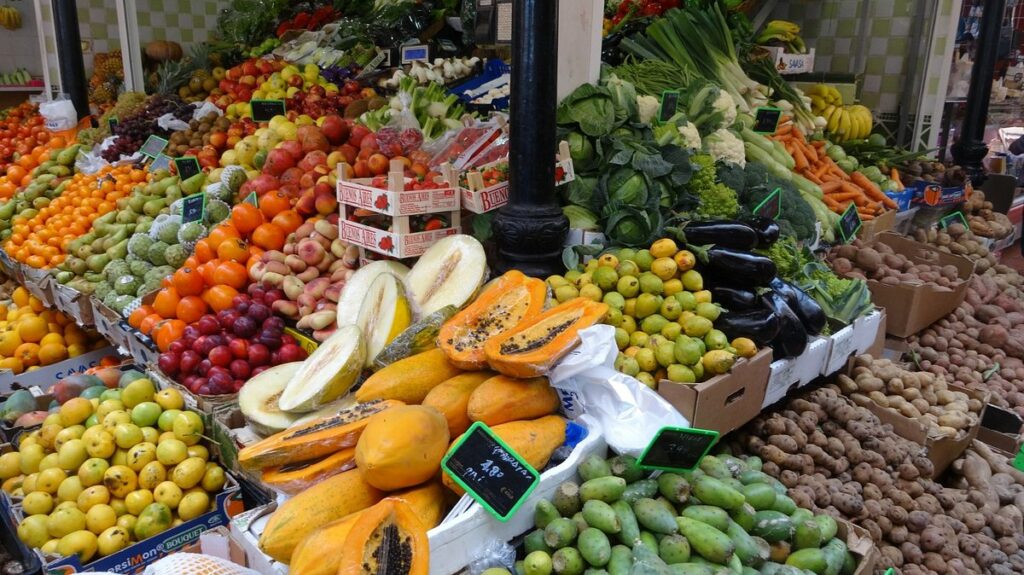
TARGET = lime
x,y
692,280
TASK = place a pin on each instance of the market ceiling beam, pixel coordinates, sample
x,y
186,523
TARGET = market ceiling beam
x,y
970,149
531,229
69,54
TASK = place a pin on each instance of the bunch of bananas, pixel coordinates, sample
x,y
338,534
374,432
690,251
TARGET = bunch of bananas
x,y
10,18
822,96
783,32
847,123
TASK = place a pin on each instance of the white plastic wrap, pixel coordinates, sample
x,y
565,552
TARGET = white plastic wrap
x,y
91,162
204,109
172,123
630,413
195,564
60,115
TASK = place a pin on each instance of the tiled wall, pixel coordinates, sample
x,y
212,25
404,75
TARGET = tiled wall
x,y
183,21
20,48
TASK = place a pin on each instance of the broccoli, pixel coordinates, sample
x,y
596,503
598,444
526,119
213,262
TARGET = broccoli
x,y
797,216
717,200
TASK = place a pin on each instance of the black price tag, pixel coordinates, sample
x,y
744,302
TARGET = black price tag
x,y
849,224
490,471
193,208
669,105
770,207
188,166
252,199
112,123
955,217
153,146
161,162
677,448
264,110
766,120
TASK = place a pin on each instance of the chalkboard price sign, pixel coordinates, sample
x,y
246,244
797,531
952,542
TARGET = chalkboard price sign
x,y
264,110
677,448
112,123
161,162
490,471
188,166
771,206
849,224
252,199
193,208
153,146
956,217
669,105
766,120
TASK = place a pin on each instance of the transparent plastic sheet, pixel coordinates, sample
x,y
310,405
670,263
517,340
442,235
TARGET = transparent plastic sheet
x,y
195,564
495,554
204,109
172,123
629,412
91,162
402,116
463,143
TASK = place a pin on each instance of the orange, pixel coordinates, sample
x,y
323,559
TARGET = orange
x,y
52,353
190,308
231,274
147,323
203,251
246,217
12,363
52,338
288,220
166,302
188,281
221,233
219,297
274,202
233,249
9,342
167,332
135,318
268,237
28,353
20,296
32,329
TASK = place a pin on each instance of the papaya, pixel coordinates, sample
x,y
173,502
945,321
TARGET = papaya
x,y
502,399
294,477
534,440
451,398
320,552
387,538
327,501
533,347
507,302
402,446
408,380
315,438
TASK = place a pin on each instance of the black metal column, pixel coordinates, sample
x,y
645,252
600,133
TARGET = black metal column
x,y
970,149
531,229
69,52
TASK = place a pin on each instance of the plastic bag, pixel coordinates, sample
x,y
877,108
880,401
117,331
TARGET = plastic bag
x,y
495,554
60,115
195,564
204,109
91,162
171,123
402,116
630,413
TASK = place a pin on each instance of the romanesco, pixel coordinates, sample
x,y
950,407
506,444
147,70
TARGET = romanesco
x,y
716,199
725,146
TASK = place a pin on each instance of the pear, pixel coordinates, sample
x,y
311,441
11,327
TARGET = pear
x,y
153,207
193,185
97,262
118,251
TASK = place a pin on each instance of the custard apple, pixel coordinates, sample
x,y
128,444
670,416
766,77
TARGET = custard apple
x,y
168,233
191,232
216,211
139,268
139,245
127,285
158,253
176,256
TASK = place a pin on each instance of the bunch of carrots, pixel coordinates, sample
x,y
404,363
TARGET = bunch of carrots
x,y
839,188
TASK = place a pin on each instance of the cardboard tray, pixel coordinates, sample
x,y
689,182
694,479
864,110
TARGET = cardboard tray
x,y
74,303
795,372
860,544
1001,429
911,308
882,223
111,325
45,377
723,402
39,283
399,245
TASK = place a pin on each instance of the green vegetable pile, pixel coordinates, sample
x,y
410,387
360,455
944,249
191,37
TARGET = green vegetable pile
x,y
754,183
716,200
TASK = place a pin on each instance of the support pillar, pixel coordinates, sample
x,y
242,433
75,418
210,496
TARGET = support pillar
x,y
69,54
970,149
531,229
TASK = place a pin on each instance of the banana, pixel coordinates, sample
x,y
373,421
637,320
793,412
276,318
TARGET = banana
x,y
833,119
817,103
844,124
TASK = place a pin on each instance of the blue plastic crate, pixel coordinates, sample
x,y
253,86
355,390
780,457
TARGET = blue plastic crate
x,y
494,68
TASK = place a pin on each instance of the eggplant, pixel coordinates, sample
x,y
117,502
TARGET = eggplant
x,y
744,268
735,299
721,233
767,230
761,325
791,340
810,313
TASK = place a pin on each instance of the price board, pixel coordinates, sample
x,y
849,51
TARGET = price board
x,y
188,166
264,110
771,206
193,208
112,123
252,199
849,224
161,162
677,448
490,471
766,119
956,217
669,105
153,146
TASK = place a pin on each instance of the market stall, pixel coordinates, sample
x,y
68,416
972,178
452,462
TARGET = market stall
x,y
292,310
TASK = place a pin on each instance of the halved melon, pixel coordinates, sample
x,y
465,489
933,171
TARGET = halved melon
x,y
535,346
506,303
295,477
258,399
333,408
327,374
354,292
383,314
449,273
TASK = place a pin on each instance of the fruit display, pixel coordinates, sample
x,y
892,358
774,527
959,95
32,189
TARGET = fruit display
x,y
107,77
16,123
47,181
133,131
119,463
10,17
845,122
32,336
19,77
127,105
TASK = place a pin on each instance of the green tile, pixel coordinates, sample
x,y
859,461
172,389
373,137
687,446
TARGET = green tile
x,y
875,66
143,18
846,29
880,28
897,46
841,64
946,8
933,86
891,84
939,46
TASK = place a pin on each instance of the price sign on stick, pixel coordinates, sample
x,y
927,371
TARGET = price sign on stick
x,y
677,448
490,471
956,217
193,208
112,123
264,110
188,166
153,146
849,224
162,162
252,199
669,105
771,206
766,120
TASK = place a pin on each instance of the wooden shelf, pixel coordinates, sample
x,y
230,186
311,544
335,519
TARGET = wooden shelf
x,y
21,88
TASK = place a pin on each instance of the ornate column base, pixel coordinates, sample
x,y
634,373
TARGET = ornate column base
x,y
970,154
530,239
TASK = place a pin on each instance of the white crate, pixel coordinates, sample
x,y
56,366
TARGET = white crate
x,y
842,346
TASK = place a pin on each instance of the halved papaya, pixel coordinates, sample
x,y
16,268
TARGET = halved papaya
x,y
387,538
534,347
506,303
295,477
316,438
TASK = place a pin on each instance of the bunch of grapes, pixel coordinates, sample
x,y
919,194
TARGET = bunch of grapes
x,y
133,131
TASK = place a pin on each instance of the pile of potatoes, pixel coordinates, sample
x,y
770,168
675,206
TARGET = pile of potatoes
x,y
836,457
918,395
960,241
878,261
983,221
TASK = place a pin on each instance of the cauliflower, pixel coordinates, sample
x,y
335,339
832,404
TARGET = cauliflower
x,y
691,137
725,104
648,106
725,146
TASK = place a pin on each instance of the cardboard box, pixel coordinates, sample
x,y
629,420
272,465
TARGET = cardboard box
x,y
396,202
869,333
110,325
841,347
941,451
1001,428
45,377
882,223
10,267
38,283
858,541
485,200
723,402
74,303
246,529
913,307
794,372
788,63
397,244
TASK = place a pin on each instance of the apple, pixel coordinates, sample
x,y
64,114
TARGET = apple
x,y
334,129
278,160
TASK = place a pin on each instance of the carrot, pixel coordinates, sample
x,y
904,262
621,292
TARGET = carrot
x,y
832,167
810,176
818,143
798,133
831,186
830,177
851,187
812,154
801,159
821,170
872,191
784,129
844,196
865,217
832,204
894,175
